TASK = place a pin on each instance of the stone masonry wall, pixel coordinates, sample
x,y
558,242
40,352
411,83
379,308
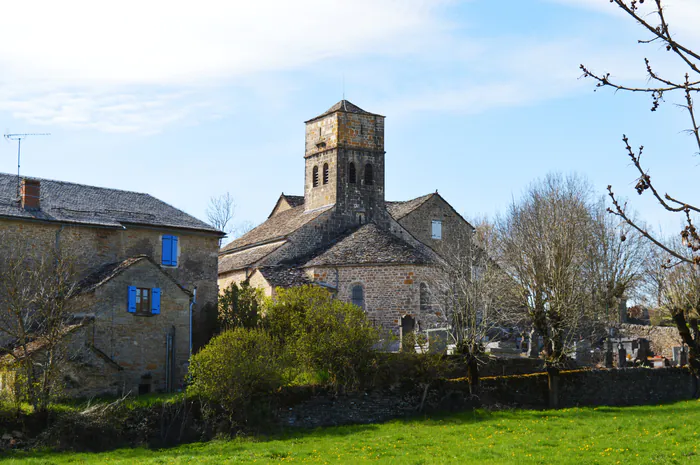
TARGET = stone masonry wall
x,y
390,292
138,343
91,247
455,231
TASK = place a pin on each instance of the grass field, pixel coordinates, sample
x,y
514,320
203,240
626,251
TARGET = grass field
x,y
666,434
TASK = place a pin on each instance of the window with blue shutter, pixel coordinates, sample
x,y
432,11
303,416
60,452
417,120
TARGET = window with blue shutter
x,y
131,307
169,255
155,301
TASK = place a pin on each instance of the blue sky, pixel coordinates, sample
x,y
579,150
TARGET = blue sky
x,y
186,101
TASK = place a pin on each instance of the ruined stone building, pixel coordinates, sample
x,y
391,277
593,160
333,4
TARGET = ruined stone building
x,y
146,272
343,234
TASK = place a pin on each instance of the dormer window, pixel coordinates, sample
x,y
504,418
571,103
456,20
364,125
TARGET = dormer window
x,y
314,176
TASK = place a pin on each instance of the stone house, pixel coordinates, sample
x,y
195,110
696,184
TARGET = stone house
x,y
147,277
344,235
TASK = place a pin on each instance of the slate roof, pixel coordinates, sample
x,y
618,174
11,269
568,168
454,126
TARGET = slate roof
x,y
400,209
294,200
104,273
369,244
284,276
246,257
344,106
277,227
78,203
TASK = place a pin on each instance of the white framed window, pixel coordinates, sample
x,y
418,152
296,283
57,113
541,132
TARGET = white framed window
x,y
437,230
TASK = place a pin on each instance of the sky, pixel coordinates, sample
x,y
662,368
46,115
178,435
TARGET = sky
x,y
189,100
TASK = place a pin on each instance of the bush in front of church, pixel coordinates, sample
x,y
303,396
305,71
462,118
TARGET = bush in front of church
x,y
323,335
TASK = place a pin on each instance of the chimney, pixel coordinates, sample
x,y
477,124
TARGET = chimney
x,y
30,194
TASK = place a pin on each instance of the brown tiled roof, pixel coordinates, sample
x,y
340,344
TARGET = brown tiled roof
x,y
283,276
17,353
369,244
344,106
276,227
400,209
246,257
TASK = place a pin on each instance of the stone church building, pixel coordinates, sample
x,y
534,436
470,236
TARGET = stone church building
x,y
343,234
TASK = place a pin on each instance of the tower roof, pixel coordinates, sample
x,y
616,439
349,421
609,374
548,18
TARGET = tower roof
x,y
344,106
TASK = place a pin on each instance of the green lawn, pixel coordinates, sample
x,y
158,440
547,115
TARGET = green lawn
x,y
664,434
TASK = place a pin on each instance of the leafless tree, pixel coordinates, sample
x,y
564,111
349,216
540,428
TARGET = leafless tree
x,y
221,211
35,304
475,294
652,17
544,244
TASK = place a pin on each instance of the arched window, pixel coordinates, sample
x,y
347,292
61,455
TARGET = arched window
x,y
369,176
424,297
315,176
358,296
325,173
352,174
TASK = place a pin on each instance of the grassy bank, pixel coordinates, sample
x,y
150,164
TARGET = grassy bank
x,y
665,434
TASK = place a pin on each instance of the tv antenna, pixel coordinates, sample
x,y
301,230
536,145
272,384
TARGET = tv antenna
x,y
19,138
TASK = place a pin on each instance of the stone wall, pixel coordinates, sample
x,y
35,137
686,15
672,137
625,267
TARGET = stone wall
x,y
390,292
307,407
137,343
662,338
91,247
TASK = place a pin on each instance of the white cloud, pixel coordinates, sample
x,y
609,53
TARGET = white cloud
x,y
84,63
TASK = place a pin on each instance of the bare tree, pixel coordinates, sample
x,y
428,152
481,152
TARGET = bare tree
x,y
35,305
652,18
544,244
221,211
474,293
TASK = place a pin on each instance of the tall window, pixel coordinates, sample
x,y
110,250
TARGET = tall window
x,y
437,229
352,174
358,296
369,176
325,173
169,250
314,176
143,301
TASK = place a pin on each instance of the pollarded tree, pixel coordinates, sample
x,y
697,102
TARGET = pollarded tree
x,y
652,17
544,244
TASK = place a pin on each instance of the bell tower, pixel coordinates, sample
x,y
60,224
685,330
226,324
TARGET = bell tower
x,y
345,162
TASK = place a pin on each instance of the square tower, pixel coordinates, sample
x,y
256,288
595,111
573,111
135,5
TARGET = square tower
x,y
345,162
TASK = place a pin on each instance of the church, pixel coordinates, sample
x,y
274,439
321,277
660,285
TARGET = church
x,y
343,235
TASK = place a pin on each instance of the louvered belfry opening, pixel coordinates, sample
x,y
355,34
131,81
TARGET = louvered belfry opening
x,y
369,175
315,176
352,174
325,173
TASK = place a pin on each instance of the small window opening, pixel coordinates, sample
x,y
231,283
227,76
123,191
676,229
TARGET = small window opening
x,y
325,173
143,300
352,174
437,230
145,384
320,132
361,218
358,296
314,176
369,176
362,129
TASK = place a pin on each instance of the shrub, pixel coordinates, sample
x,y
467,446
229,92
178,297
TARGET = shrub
x,y
235,368
239,306
323,335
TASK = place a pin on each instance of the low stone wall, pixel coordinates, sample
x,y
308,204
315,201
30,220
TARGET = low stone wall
x,y
662,338
633,386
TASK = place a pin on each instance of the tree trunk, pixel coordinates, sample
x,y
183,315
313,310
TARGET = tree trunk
x,y
473,375
693,349
553,386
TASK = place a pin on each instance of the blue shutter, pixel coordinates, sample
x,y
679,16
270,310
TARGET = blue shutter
x,y
131,307
167,256
173,254
155,301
